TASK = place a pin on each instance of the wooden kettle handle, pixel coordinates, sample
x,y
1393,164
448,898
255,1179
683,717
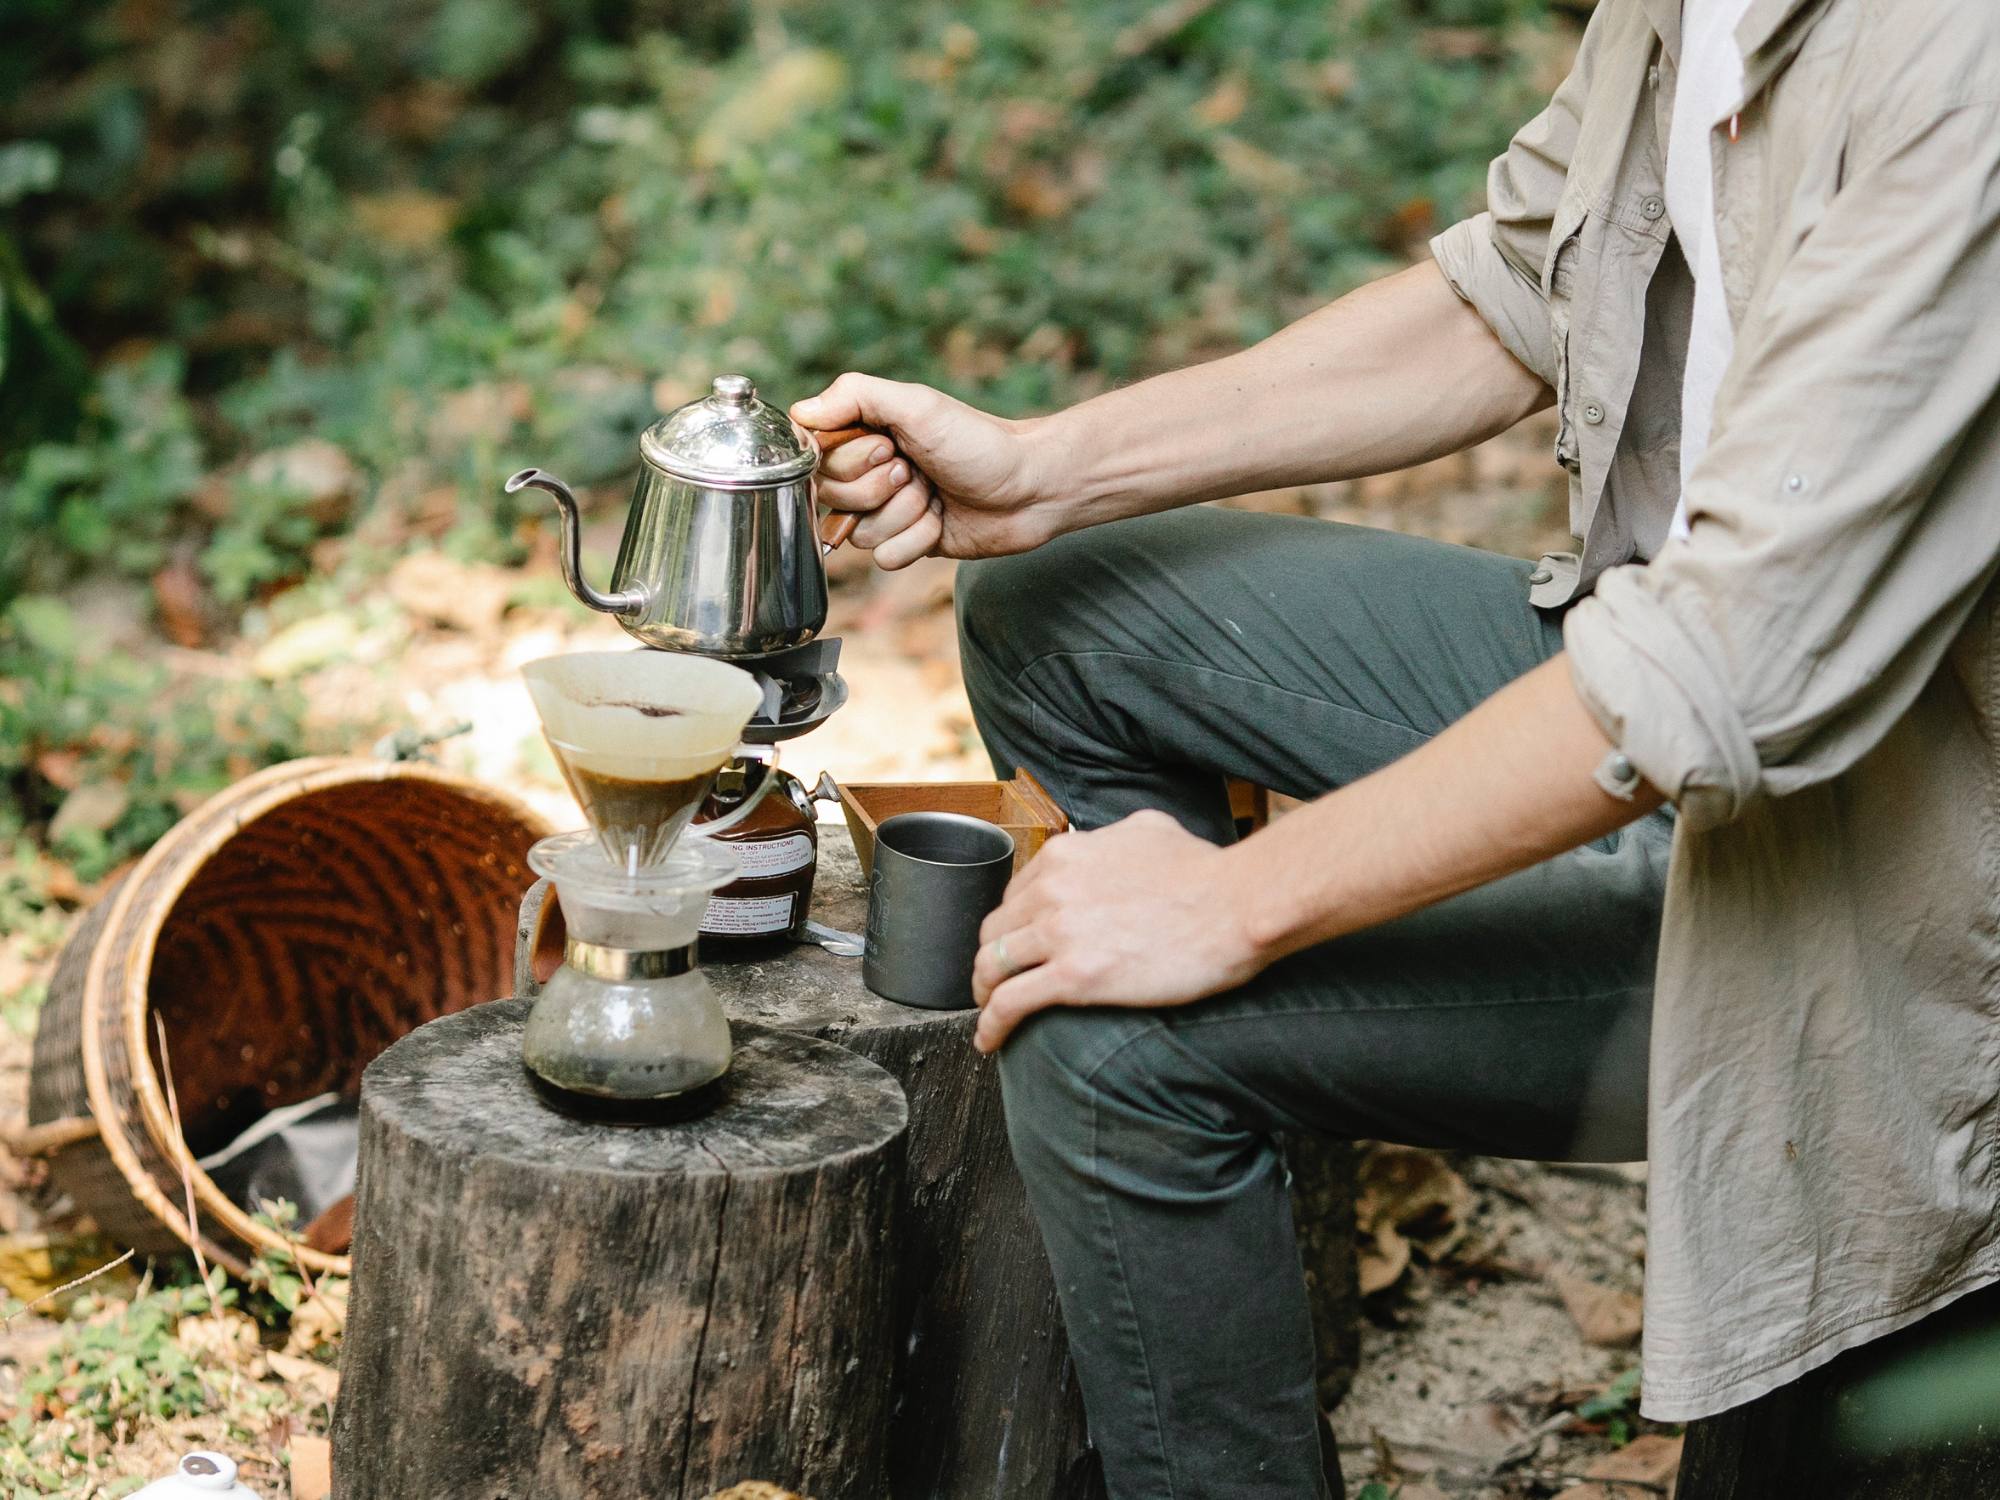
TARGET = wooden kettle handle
x,y
839,524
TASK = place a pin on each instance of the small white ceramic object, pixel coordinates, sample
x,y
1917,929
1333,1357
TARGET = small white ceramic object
x,y
199,1476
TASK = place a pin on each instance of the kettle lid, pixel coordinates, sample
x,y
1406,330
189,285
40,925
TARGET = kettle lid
x,y
729,439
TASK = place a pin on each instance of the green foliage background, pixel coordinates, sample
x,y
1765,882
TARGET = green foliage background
x,y
454,236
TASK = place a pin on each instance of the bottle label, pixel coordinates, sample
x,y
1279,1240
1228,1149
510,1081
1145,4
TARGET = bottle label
x,y
762,859
743,915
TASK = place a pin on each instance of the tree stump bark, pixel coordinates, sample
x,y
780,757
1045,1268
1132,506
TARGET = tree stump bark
x,y
548,1307
1914,1416
986,1401
1323,1183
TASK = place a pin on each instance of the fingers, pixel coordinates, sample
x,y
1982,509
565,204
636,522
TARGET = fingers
x,y
856,400
918,541
1024,891
904,507
1009,954
870,492
1025,902
851,460
1016,999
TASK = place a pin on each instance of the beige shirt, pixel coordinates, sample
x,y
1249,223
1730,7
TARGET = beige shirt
x,y
1813,674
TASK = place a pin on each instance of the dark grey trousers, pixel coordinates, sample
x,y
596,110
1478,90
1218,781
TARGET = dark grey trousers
x,y
1136,665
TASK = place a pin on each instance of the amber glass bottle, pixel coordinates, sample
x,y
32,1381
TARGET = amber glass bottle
x,y
777,850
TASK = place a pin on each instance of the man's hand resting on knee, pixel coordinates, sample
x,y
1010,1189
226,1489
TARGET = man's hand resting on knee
x,y
1140,913
1143,913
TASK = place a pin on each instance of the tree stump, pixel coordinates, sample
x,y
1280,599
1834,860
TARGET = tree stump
x,y
1913,1416
1323,1187
548,1307
986,1402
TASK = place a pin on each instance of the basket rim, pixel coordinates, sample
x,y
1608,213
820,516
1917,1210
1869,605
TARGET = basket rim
x,y
249,800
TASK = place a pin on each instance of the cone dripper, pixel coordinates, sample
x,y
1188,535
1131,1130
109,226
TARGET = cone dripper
x,y
640,736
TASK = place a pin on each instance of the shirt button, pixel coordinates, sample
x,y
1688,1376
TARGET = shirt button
x,y
1540,575
1592,413
1652,206
1621,768
1653,76
1795,482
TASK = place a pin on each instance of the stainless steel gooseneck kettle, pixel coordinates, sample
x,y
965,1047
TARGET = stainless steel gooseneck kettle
x,y
723,553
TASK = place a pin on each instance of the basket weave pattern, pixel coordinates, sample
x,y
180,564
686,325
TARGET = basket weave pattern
x,y
285,934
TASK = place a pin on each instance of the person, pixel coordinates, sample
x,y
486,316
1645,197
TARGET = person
x,y
1686,844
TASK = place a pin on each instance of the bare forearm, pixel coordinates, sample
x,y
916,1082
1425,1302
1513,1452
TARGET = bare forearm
x,y
1396,373
1507,786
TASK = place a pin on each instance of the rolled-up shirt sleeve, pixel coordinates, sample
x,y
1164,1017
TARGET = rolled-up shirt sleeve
x,y
1845,520
1508,301
1495,260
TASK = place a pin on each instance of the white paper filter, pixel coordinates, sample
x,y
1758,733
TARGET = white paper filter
x,y
642,715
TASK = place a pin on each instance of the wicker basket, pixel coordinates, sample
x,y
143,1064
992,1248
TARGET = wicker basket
x,y
285,933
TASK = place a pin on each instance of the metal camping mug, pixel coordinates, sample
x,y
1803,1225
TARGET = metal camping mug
x,y
936,877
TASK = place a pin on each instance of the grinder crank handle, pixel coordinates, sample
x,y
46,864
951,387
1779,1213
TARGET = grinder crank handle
x,y
838,525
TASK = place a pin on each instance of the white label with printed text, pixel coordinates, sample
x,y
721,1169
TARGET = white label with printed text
x,y
739,915
770,857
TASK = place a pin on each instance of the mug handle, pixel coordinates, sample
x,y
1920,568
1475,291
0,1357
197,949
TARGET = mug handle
x,y
838,525
768,754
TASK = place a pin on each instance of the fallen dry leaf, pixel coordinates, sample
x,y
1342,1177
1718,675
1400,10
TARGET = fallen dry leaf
x,y
1605,1316
1484,1431
1382,1260
321,1380
62,769
91,808
1406,1197
320,1318
488,412
1225,104
1254,167
223,1340
319,475
309,643
312,1467
407,219
1650,1459
34,1265
465,596
181,601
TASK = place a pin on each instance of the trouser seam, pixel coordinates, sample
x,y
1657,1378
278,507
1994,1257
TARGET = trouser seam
x,y
1131,1311
1265,685
1188,1019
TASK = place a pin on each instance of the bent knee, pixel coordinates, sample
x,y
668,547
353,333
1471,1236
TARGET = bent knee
x,y
1052,1067
992,596
1012,610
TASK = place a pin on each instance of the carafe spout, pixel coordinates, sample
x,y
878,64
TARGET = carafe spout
x,y
619,602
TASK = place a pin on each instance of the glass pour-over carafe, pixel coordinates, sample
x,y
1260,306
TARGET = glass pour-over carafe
x,y
629,1015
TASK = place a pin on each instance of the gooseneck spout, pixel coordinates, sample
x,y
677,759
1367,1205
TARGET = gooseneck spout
x,y
621,602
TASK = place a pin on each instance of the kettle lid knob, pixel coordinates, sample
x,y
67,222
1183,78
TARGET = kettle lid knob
x,y
729,440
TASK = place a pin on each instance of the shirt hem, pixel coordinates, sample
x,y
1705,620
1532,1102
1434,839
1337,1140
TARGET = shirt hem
x,y
1692,1399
